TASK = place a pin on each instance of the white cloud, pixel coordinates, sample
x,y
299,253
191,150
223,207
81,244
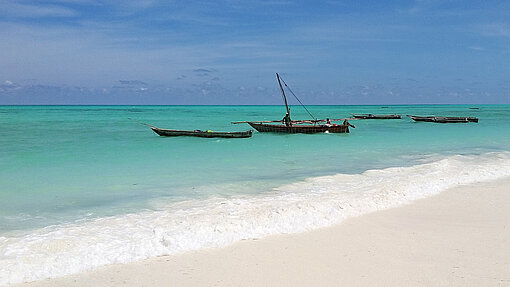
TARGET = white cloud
x,y
13,9
476,48
493,30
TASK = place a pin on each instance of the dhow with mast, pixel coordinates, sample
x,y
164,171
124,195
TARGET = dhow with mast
x,y
289,126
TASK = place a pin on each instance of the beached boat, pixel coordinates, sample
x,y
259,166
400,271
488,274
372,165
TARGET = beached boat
x,y
286,125
376,117
202,134
444,119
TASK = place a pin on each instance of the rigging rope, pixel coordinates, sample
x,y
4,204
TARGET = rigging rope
x,y
297,99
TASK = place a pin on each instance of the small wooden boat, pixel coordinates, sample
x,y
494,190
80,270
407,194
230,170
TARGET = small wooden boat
x,y
444,119
456,119
202,134
450,120
302,129
422,119
378,117
286,125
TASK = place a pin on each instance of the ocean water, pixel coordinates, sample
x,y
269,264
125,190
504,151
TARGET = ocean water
x,y
85,186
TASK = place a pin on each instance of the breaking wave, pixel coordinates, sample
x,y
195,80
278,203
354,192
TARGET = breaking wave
x,y
189,225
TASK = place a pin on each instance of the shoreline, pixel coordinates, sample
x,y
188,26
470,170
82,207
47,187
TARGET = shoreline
x,y
458,237
314,203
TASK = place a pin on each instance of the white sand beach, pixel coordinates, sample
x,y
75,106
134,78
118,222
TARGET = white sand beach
x,y
460,237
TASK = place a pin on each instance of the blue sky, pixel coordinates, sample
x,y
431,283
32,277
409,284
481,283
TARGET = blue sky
x,y
227,52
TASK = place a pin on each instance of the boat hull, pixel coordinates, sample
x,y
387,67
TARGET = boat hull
x,y
450,120
444,119
457,119
422,119
202,134
376,117
301,129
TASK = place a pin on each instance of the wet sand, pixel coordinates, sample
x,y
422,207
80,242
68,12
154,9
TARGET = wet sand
x,y
460,237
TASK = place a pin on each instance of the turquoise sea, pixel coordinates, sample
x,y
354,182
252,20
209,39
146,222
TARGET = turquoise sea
x,y
69,172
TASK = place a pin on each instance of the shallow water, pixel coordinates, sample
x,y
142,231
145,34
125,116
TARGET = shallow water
x,y
77,170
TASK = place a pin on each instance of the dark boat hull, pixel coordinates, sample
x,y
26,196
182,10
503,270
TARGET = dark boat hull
x,y
301,129
444,119
450,120
202,134
422,119
376,117
459,119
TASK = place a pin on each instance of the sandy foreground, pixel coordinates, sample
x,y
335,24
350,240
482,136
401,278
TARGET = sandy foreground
x,y
460,237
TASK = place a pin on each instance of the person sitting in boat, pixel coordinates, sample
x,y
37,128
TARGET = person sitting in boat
x,y
328,122
286,120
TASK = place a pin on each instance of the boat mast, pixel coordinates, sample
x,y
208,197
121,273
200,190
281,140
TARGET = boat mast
x,y
283,92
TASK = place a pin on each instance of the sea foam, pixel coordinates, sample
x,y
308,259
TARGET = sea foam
x,y
189,225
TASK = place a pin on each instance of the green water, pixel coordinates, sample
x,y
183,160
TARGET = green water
x,y
65,163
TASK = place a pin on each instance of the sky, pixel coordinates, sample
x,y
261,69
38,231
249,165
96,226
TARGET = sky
x,y
227,52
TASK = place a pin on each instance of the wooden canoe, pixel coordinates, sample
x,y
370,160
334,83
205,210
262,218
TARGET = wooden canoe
x,y
376,117
459,119
289,126
202,134
444,119
302,129
422,119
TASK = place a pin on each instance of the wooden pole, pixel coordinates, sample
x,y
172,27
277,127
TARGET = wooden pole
x,y
283,92
245,122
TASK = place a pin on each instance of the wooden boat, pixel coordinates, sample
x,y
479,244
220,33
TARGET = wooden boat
x,y
378,117
457,119
202,134
422,119
286,125
450,120
303,129
444,119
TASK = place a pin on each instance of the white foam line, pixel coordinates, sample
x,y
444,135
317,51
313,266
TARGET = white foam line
x,y
316,202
